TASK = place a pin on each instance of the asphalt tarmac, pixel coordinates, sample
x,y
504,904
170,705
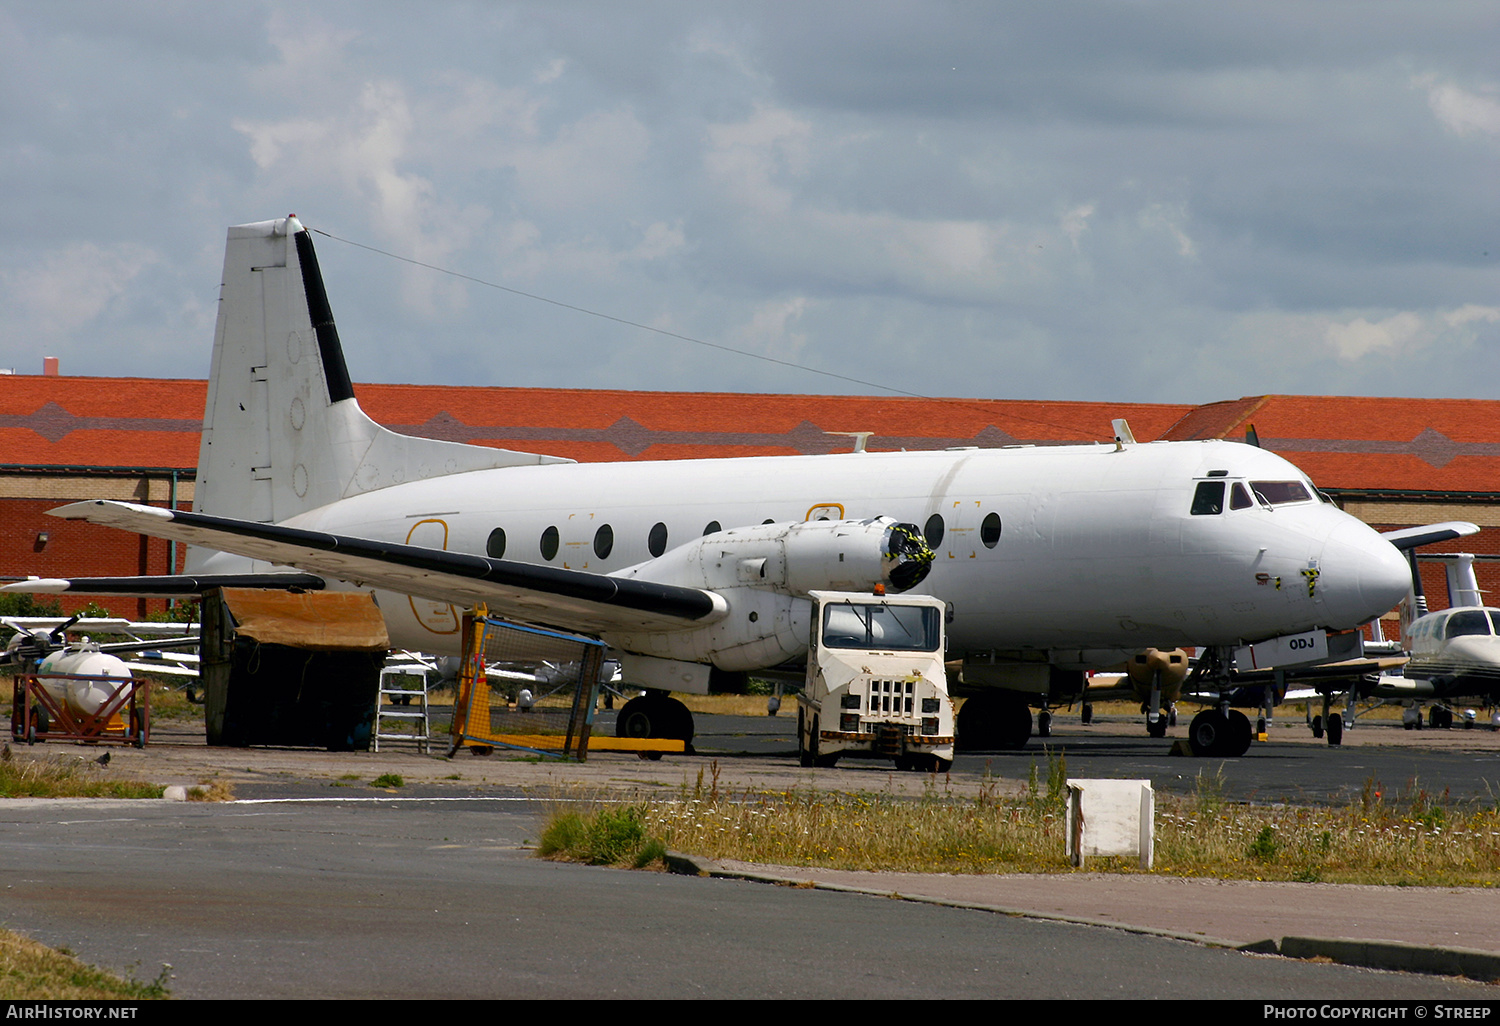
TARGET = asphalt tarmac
x,y
316,884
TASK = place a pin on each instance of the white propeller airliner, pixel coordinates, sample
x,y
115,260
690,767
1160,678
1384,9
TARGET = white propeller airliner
x,y
1052,559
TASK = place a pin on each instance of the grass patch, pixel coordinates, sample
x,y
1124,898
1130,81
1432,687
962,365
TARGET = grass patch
x,y
211,791
169,702
603,836
32,971
1409,838
388,780
60,776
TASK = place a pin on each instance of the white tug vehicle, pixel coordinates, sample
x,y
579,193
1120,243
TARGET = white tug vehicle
x,y
876,685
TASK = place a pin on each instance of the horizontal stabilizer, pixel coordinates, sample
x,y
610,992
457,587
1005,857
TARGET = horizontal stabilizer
x,y
1411,537
163,585
540,594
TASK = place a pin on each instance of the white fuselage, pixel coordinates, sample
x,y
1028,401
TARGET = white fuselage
x,y
1057,548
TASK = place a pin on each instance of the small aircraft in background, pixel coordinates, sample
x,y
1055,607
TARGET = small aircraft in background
x,y
1455,652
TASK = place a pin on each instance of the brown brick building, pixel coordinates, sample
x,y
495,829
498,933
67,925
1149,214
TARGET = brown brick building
x,y
1391,462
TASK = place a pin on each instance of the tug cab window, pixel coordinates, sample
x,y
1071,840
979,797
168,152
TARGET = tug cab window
x,y
877,625
1208,500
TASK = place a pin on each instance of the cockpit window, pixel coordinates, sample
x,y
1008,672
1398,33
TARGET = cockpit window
x,y
1495,619
1239,498
1467,621
1208,500
1278,493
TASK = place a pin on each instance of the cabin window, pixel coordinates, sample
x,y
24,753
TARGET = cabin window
x,y
989,531
933,532
712,527
1467,621
495,546
604,541
1279,493
1208,500
656,541
549,543
1239,498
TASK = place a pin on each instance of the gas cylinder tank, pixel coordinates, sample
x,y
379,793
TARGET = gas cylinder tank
x,y
83,697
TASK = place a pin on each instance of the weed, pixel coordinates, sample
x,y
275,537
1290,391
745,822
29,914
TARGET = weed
x,y
604,837
388,780
1264,847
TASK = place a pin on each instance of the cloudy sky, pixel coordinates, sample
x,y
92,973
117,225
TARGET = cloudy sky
x,y
1133,201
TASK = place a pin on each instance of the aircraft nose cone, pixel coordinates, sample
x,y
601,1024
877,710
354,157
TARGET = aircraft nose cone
x,y
1363,574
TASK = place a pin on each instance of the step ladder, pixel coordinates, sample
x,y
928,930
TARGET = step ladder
x,y
401,703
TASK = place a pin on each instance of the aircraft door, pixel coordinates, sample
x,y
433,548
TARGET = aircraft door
x,y
582,542
434,616
961,529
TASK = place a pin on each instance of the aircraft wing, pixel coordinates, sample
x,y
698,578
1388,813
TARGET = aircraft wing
x,y
164,585
1347,670
566,598
1412,537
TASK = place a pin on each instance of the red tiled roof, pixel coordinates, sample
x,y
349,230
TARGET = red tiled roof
x,y
1448,445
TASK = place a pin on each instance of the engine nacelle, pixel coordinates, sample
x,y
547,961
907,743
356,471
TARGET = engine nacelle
x,y
764,573
796,558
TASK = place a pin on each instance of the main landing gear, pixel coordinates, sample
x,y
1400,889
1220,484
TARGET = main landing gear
x,y
989,720
1220,733
1329,723
656,714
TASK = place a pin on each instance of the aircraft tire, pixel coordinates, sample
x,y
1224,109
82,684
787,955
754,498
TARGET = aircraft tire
x,y
656,716
1157,729
975,724
635,719
1207,733
990,721
1086,713
1237,741
1015,724
1336,730
1317,725
1043,725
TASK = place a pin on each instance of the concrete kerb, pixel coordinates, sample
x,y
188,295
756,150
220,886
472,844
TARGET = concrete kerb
x,y
1395,956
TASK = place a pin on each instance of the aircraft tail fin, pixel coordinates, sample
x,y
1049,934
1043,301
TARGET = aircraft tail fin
x,y
282,431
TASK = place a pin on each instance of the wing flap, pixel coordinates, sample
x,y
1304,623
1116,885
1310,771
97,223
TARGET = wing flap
x,y
566,598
